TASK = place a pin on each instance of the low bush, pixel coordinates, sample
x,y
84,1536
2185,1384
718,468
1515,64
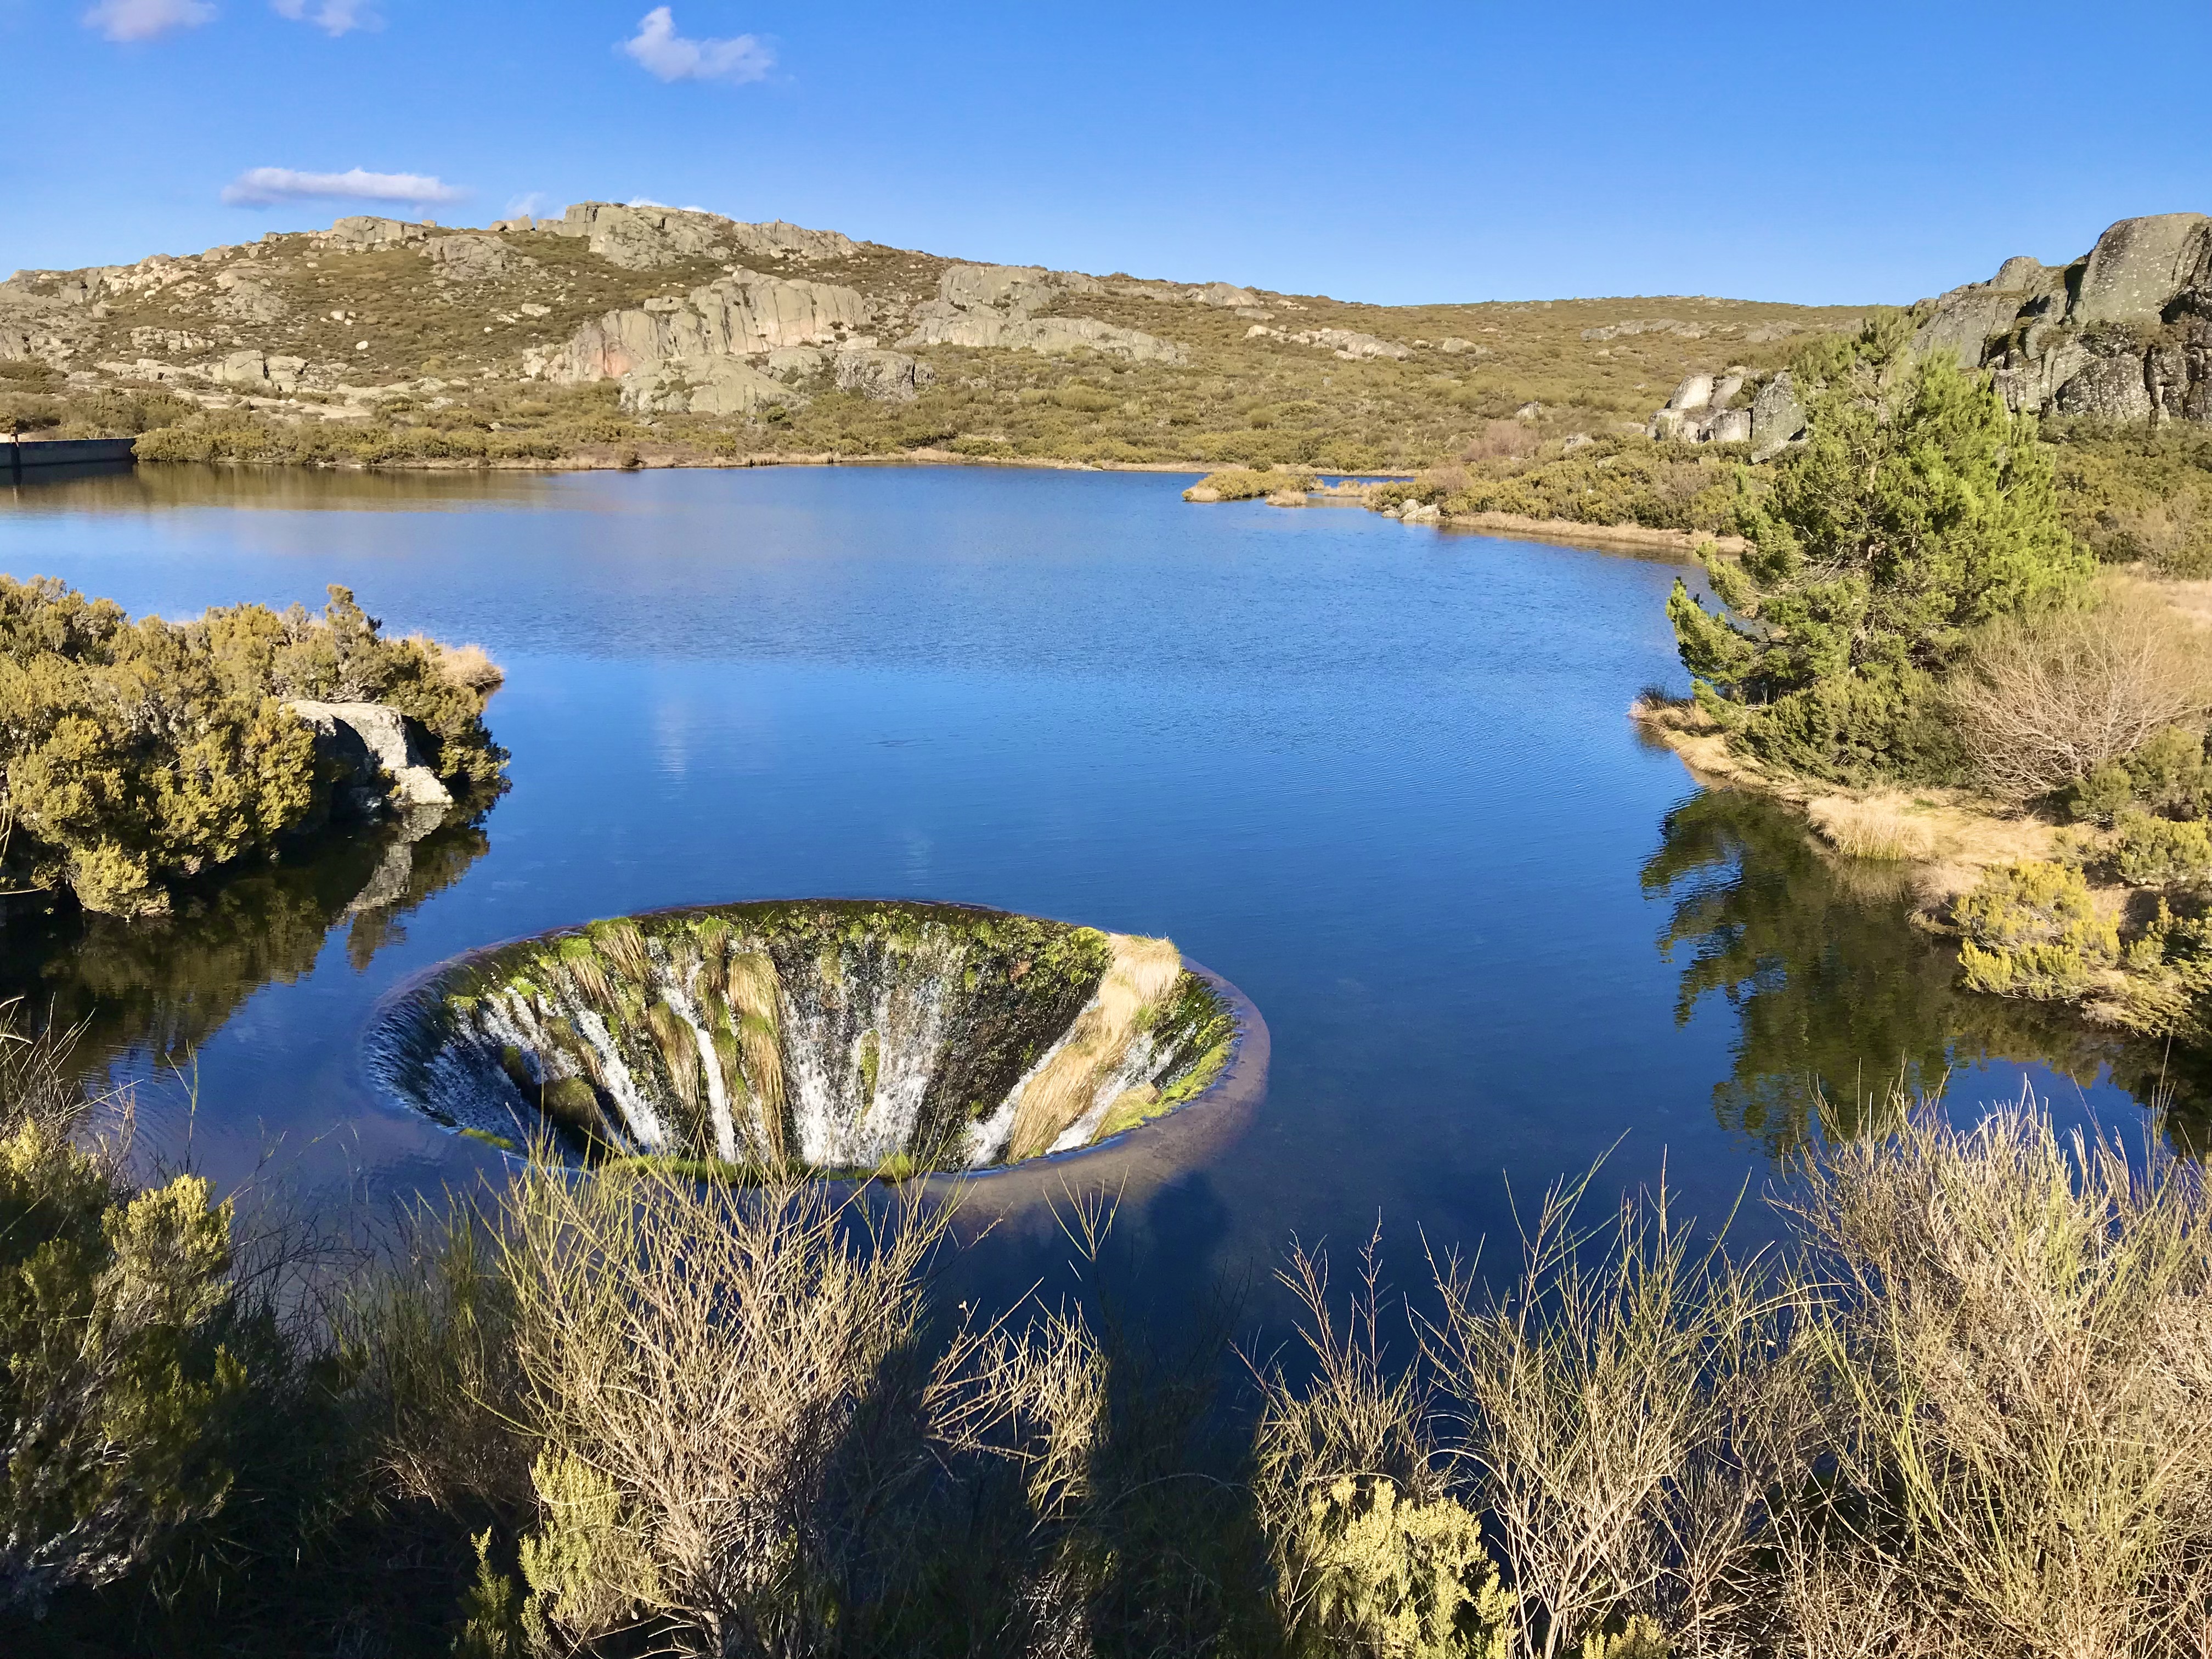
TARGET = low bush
x,y
118,1395
2169,774
2139,494
1373,1553
2032,929
2154,852
136,754
1239,484
2047,699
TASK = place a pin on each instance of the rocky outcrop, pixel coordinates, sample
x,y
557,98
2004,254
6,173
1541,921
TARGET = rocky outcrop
x,y
704,385
364,234
257,370
378,762
244,299
1011,288
886,377
1756,335
2123,333
1347,343
987,307
1351,346
470,257
1708,409
1227,296
737,316
688,354
639,237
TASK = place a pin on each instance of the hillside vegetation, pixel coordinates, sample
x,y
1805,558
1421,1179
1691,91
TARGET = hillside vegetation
x,y
378,352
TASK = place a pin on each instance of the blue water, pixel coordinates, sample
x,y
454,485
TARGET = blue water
x,y
1379,776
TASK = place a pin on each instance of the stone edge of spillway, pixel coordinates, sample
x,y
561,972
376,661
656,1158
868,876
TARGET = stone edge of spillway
x,y
1242,1080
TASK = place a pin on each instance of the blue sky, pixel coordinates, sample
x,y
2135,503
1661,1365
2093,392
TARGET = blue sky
x,y
1393,152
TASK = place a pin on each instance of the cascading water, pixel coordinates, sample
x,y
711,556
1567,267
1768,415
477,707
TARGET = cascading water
x,y
831,1035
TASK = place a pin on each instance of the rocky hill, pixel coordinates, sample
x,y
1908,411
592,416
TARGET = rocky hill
x,y
2123,333
638,333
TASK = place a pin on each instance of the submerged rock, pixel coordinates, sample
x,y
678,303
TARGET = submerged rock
x,y
832,1036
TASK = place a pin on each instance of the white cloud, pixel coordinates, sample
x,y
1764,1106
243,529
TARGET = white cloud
x,y
660,50
333,17
142,20
266,186
527,206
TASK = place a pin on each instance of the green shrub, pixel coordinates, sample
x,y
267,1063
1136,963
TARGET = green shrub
x,y
1239,484
1617,480
2032,930
115,1391
2134,494
1917,508
2169,774
2168,992
2155,852
139,753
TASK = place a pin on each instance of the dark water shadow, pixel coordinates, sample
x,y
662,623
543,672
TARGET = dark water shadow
x,y
1841,1002
159,987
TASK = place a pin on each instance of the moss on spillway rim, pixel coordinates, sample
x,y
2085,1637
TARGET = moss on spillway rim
x,y
838,1037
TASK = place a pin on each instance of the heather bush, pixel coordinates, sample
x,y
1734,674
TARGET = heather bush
x,y
136,754
2032,929
2154,852
117,1392
2168,774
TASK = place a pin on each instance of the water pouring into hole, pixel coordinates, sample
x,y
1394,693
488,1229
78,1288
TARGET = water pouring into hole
x,y
840,1037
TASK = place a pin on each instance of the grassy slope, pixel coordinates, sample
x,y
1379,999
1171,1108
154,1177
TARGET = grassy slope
x,y
1237,398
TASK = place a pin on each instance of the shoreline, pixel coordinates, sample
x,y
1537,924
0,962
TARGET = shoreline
x,y
648,458
1943,841
1572,532
1959,834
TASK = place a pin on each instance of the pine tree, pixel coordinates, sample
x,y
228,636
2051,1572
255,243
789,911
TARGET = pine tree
x,y
1918,507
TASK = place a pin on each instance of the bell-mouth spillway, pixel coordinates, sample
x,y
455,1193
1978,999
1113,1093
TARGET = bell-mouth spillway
x,y
827,1038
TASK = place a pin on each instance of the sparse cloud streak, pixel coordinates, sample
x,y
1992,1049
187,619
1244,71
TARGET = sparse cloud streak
x,y
142,20
333,17
268,186
660,50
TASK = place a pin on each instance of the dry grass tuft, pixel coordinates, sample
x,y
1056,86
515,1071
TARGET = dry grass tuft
x,y
693,1364
469,666
2018,1360
1619,1412
1878,827
739,1416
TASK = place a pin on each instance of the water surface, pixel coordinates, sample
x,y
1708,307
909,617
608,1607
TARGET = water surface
x,y
1379,776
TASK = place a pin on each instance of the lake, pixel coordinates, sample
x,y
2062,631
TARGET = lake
x,y
1379,776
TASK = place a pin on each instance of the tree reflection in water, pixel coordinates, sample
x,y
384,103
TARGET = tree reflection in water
x,y
164,985
1840,1001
